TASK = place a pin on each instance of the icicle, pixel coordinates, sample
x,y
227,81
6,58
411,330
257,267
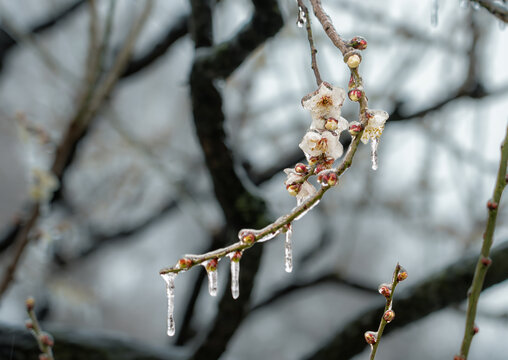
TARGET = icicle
x,y
373,152
212,282
464,4
169,278
302,18
211,270
235,273
288,249
502,25
434,13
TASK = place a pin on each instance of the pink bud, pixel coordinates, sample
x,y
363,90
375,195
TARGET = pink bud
x,y
370,337
29,324
301,168
293,189
184,263
211,265
237,255
385,290
389,315
30,303
358,42
332,179
476,329
248,238
331,124
314,160
491,205
319,168
355,95
355,129
402,275
46,339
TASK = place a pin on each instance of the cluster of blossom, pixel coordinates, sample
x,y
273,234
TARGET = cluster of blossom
x,y
44,339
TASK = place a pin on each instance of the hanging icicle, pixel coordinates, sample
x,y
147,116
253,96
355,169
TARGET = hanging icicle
x,y
211,270
169,278
302,18
374,143
434,13
288,250
235,273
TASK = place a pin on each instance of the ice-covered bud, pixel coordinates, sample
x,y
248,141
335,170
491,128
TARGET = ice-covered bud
x,y
476,329
353,61
331,124
492,205
29,324
319,168
184,263
370,337
30,303
211,265
355,95
301,168
313,160
332,179
293,189
486,261
402,275
352,83
46,339
355,128
329,161
389,315
358,43
248,238
236,256
385,290
506,178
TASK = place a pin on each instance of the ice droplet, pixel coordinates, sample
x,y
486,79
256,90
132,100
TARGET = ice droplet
x,y
288,250
302,18
235,276
475,5
169,278
373,153
434,13
212,282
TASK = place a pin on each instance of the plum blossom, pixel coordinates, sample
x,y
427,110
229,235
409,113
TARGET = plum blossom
x,y
44,183
375,126
317,143
325,103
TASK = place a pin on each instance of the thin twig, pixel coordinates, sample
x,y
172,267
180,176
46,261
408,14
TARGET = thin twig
x,y
484,261
313,50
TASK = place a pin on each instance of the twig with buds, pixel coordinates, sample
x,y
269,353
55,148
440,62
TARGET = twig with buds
x,y
484,260
44,340
387,290
306,19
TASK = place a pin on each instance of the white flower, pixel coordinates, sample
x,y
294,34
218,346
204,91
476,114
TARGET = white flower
x,y
326,101
375,126
315,144
306,191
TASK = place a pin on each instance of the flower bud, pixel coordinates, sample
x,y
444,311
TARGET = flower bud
x,y
331,124
355,95
29,324
402,275
352,83
314,160
46,339
319,168
486,261
184,263
358,43
30,303
389,315
329,161
370,337
248,238
300,168
459,357
353,61
476,329
211,265
355,128
293,189
332,179
491,205
385,290
236,256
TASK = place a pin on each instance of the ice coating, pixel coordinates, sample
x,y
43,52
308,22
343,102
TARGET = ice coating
x,y
235,276
373,153
169,278
288,251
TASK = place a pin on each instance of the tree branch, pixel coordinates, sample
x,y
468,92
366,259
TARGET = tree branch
x,y
440,290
